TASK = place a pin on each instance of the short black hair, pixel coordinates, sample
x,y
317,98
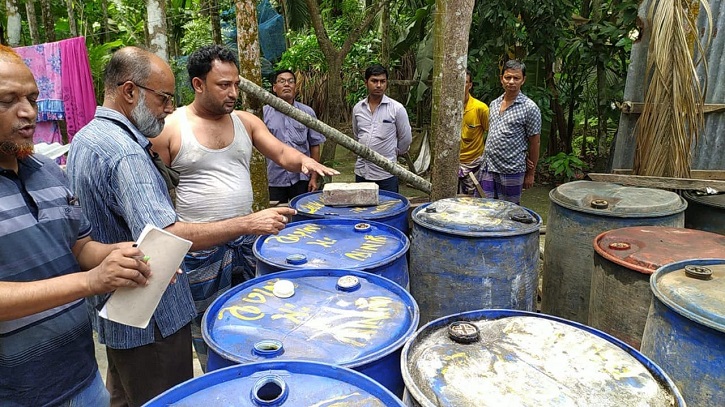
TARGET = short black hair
x,y
200,61
280,72
514,64
468,74
374,70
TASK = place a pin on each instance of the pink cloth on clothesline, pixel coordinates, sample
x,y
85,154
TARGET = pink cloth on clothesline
x,y
79,97
44,61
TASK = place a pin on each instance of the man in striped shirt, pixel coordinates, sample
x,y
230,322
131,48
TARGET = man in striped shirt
x,y
113,172
46,347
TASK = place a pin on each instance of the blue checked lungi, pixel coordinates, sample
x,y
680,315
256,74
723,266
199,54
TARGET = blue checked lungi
x,y
213,271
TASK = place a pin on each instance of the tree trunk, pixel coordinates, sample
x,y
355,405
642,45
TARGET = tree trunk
x,y
601,106
216,28
14,25
601,85
561,126
452,25
385,34
48,21
32,21
104,23
336,56
72,25
156,22
335,108
250,68
335,135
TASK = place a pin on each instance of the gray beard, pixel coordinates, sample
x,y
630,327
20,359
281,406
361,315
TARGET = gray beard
x,y
144,121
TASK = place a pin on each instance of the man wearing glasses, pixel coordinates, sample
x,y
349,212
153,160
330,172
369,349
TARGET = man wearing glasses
x,y
121,189
285,185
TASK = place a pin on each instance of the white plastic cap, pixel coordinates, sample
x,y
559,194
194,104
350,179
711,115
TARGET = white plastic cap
x,y
283,289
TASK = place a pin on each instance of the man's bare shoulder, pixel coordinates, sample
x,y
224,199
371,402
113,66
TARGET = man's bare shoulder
x,y
250,121
243,115
172,129
172,122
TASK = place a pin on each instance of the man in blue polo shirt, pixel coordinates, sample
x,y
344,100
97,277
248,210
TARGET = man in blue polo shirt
x,y
284,185
46,347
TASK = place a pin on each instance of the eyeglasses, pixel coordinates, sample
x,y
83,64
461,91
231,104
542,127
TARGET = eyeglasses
x,y
167,98
290,81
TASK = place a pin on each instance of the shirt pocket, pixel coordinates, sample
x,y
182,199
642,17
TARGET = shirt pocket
x,y
298,134
387,128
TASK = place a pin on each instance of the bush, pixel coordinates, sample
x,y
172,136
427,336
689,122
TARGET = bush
x,y
566,167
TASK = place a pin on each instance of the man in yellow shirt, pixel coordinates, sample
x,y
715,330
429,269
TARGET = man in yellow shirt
x,y
473,129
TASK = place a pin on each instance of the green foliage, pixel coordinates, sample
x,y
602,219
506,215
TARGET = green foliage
x,y
566,166
196,35
98,57
304,55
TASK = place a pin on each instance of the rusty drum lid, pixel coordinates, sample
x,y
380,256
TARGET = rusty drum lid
x,y
693,289
607,199
646,248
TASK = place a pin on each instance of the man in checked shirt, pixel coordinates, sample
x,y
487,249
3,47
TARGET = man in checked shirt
x,y
512,146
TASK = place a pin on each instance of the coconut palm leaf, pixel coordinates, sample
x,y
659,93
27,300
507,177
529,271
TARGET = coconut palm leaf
x,y
672,117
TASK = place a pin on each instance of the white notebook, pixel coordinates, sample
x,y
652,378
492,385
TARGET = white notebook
x,y
134,306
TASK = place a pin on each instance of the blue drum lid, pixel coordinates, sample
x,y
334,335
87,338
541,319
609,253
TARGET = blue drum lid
x,y
694,289
332,243
342,317
607,199
477,217
311,204
516,358
289,383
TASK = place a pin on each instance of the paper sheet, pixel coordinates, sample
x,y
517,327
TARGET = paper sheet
x,y
134,306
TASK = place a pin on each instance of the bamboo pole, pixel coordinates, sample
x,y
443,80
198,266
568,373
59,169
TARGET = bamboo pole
x,y
264,96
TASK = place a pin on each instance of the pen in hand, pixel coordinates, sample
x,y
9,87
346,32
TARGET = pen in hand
x,y
144,259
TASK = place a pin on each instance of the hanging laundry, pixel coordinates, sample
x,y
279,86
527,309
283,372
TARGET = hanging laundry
x,y
79,98
44,60
63,74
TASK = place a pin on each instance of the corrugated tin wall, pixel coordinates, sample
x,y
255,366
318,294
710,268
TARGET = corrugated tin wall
x,y
709,153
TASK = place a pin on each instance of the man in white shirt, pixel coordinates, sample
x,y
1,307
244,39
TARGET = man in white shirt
x,y
381,124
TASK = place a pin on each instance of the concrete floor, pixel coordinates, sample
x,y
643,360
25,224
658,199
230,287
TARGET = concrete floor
x,y
103,362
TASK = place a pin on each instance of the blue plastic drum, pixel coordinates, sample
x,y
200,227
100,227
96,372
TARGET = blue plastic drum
x,y
516,358
473,253
278,384
336,243
685,329
391,210
342,317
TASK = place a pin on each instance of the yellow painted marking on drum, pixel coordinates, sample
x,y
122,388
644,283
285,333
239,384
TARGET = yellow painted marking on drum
x,y
243,312
294,236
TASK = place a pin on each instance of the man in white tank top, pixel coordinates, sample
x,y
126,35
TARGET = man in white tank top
x,y
210,144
